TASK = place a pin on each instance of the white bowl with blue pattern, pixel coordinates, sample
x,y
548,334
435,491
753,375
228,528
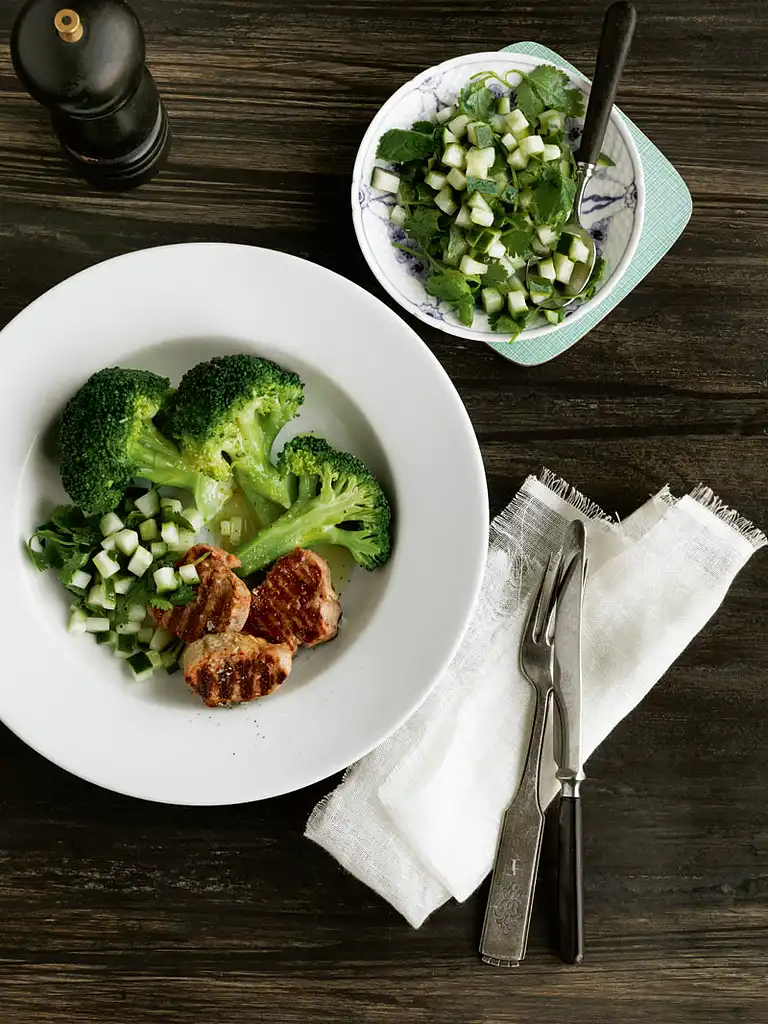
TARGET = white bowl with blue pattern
x,y
612,208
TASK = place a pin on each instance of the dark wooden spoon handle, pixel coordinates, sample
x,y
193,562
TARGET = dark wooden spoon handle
x,y
615,40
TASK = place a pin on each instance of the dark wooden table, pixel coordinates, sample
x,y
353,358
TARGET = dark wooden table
x,y
112,909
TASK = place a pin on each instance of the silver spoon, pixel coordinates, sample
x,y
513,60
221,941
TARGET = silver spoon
x,y
615,39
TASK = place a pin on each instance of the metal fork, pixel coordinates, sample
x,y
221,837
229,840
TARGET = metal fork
x,y
510,901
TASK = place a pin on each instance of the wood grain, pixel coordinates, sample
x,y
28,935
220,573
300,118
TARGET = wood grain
x,y
117,909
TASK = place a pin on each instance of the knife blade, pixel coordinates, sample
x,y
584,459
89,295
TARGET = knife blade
x,y
568,751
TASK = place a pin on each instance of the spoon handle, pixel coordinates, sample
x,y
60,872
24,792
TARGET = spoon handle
x,y
615,40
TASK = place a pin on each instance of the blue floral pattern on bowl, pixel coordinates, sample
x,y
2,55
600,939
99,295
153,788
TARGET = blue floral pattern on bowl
x,y
612,209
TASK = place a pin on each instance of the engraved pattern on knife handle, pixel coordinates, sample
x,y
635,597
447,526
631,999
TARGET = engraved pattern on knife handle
x,y
508,914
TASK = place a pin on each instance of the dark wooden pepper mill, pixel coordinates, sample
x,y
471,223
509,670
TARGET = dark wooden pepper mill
x,y
86,65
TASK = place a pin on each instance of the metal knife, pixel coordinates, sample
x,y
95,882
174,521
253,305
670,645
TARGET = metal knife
x,y
568,751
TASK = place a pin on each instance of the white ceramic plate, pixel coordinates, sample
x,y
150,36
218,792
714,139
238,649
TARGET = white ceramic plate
x,y
613,203
372,387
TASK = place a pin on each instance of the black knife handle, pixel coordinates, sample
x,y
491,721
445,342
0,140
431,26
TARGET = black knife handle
x,y
615,40
570,894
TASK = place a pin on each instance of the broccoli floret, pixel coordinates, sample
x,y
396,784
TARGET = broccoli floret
x,y
339,501
107,437
226,415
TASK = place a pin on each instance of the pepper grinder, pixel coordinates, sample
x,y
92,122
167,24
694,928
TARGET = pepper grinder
x,y
86,65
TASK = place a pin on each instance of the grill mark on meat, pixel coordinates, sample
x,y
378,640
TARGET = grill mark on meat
x,y
228,668
296,603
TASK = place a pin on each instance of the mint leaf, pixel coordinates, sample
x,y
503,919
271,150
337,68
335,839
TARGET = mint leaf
x,y
448,285
399,145
484,185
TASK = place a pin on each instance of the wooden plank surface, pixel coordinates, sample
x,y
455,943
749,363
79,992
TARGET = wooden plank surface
x,y
114,909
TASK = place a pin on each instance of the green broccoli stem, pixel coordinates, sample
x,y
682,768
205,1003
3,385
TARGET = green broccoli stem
x,y
264,480
160,461
304,524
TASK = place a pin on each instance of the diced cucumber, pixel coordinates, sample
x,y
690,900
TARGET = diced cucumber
x,y
189,574
78,621
448,137
539,248
579,278
110,523
472,267
398,216
462,220
516,121
540,289
524,134
123,584
517,262
148,504
471,130
78,578
517,160
155,658
160,640
459,126
236,529
129,628
457,179
445,114
144,635
186,540
554,316
106,565
96,624
141,666
110,543
578,251
504,105
136,613
605,161
453,155
109,638
127,541
492,300
525,198
484,136
552,121
140,561
516,302
225,527
516,284
532,146
506,264
170,534
165,579
477,163
194,517
509,142
383,180
497,123
550,153
563,267
497,250
482,217
170,505
444,201
547,235
436,180
126,643
546,270
149,530
477,201
170,660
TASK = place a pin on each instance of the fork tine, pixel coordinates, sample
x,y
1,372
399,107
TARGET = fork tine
x,y
544,605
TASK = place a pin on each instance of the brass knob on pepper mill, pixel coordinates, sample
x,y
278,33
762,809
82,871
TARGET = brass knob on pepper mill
x,y
86,65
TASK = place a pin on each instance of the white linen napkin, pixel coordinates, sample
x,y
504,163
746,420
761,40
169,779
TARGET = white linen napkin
x,y
418,818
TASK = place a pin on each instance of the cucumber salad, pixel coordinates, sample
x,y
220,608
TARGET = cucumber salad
x,y
486,187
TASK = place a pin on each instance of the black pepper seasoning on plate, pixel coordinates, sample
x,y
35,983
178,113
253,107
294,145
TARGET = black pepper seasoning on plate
x,y
86,65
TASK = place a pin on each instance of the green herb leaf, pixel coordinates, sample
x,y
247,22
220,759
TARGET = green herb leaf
x,y
554,197
424,127
169,516
529,101
484,185
503,323
518,236
423,225
496,277
595,278
465,310
477,101
447,284
399,145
